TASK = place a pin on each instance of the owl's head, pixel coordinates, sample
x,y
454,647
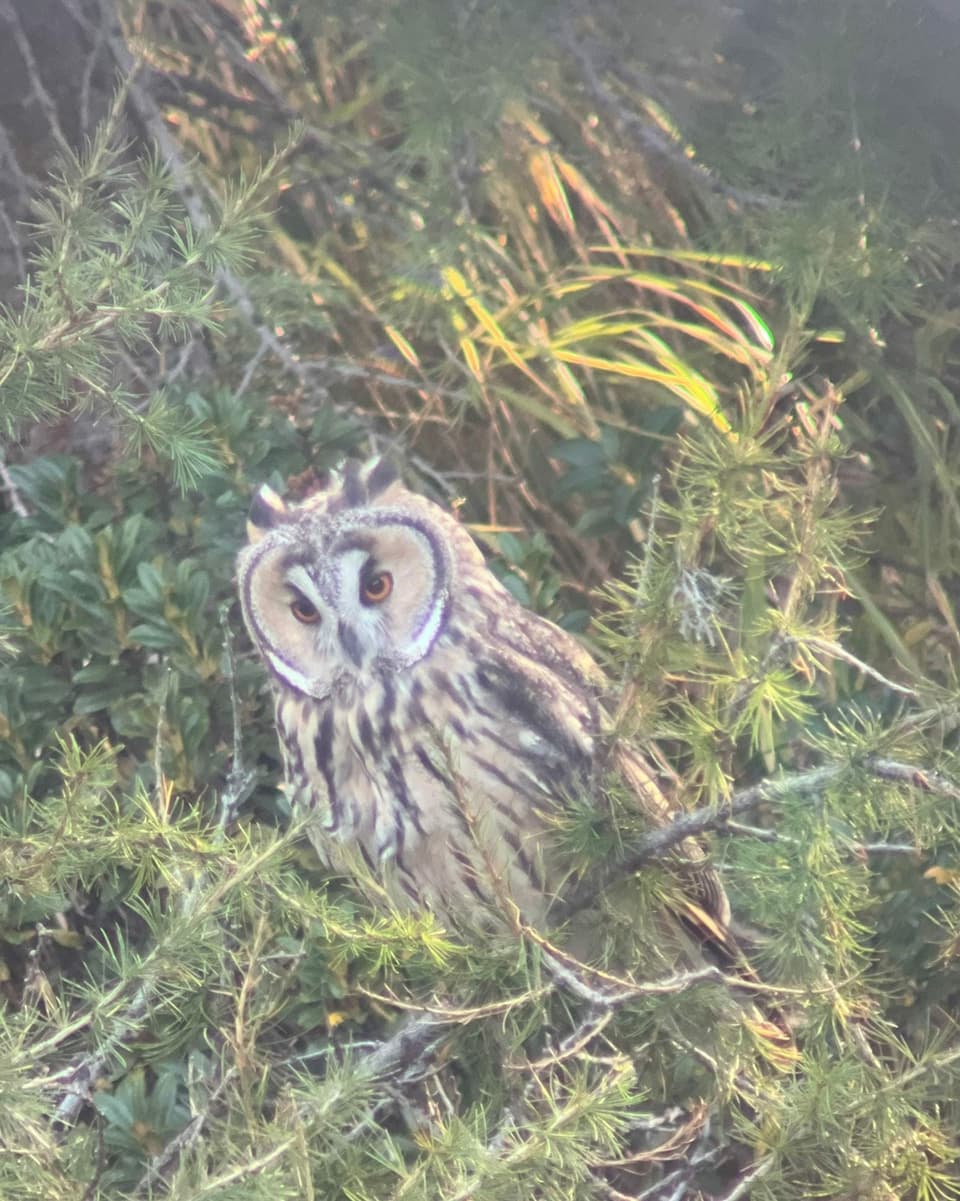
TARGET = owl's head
x,y
358,576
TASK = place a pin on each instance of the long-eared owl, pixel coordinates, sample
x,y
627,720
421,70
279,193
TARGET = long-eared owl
x,y
429,721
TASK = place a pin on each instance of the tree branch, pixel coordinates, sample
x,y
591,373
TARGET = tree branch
x,y
718,817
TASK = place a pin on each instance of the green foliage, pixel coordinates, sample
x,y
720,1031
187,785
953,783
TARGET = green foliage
x,y
118,269
189,1007
118,597
219,981
855,212
455,70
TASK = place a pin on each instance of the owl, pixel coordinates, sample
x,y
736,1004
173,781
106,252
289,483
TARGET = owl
x,y
431,725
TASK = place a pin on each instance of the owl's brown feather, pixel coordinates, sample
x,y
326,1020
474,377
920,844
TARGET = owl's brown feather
x,y
435,731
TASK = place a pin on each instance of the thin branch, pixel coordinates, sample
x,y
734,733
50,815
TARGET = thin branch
x,y
13,243
762,1168
240,781
766,834
8,11
835,651
718,817
17,503
158,781
447,1014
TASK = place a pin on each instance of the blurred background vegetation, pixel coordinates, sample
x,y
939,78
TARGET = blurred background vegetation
x,y
664,297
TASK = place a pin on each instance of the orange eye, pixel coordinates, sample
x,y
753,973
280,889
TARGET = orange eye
x,y
304,611
375,589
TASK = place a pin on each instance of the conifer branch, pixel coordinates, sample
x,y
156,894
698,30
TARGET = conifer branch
x,y
660,842
78,1081
163,1165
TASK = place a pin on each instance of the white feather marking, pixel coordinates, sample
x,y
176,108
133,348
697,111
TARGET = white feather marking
x,y
290,674
300,578
418,648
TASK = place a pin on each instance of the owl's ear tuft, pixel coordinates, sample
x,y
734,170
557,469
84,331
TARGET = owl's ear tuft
x,y
354,492
379,474
267,509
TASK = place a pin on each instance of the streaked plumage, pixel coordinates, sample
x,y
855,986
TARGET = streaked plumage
x,y
432,729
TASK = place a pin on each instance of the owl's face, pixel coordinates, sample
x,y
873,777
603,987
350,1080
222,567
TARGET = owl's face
x,y
357,577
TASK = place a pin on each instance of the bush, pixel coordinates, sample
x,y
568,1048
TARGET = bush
x,y
191,1007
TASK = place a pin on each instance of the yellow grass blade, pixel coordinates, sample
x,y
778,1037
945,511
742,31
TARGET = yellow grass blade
x,y
588,195
456,282
688,386
550,187
687,256
469,350
402,345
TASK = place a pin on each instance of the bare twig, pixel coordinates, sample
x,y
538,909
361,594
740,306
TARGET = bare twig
x,y
38,92
13,242
835,651
761,1168
451,1014
17,502
240,781
766,834
158,736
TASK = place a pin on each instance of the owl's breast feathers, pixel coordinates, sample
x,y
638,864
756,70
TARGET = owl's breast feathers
x,y
440,782
441,778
